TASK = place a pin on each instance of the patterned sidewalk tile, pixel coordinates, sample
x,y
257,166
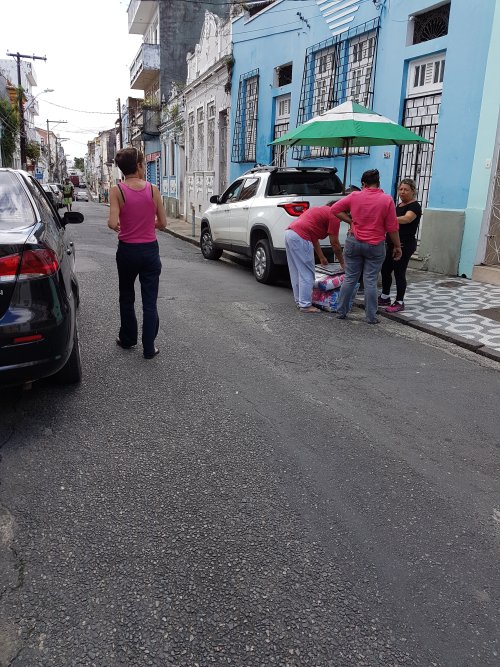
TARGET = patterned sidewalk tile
x,y
458,307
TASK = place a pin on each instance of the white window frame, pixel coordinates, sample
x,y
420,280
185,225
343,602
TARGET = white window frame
x,y
422,75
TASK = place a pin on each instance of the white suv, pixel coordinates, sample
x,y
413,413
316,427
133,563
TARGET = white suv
x,y
251,217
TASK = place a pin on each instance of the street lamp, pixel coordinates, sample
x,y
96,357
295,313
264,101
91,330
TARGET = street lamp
x,y
48,142
32,101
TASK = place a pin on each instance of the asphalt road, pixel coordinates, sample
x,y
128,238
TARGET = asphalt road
x,y
273,489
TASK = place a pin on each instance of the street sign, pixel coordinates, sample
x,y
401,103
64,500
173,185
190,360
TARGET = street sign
x,y
39,175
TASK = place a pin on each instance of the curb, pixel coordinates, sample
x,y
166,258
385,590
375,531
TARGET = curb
x,y
467,344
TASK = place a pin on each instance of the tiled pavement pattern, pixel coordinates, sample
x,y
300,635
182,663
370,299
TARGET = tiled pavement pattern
x,y
462,308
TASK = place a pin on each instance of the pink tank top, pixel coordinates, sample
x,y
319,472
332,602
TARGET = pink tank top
x,y
137,215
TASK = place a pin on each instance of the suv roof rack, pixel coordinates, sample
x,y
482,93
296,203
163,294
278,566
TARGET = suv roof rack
x,y
270,168
261,167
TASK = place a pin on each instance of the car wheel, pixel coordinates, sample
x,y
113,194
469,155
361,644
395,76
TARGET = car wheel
x,y
264,269
71,372
207,245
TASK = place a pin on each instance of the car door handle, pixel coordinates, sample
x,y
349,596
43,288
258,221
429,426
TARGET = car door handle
x,y
245,208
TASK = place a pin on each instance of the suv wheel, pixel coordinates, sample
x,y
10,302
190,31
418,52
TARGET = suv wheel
x,y
264,268
207,245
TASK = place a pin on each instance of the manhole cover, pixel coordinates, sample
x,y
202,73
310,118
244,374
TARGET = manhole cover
x,y
490,313
451,284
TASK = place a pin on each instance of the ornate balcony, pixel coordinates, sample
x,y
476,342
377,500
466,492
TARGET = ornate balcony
x,y
146,67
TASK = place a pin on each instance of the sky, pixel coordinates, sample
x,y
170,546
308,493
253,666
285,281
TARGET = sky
x,y
89,52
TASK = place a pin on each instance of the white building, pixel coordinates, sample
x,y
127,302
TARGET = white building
x,y
8,67
206,115
173,153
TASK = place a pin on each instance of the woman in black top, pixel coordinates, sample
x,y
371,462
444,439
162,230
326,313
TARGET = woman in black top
x,y
409,213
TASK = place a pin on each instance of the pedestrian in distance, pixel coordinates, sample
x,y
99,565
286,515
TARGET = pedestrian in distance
x,y
68,189
372,215
408,212
135,213
301,242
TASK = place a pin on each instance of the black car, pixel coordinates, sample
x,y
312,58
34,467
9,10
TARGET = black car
x,y
38,287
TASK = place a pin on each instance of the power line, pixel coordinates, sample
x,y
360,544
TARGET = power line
x,y
102,113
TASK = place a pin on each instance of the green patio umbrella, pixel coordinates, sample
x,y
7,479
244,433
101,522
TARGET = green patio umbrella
x,y
349,125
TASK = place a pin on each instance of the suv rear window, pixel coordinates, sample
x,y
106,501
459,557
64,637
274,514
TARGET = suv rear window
x,y
15,207
303,183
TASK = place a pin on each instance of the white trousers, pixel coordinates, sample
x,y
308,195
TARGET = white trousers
x,y
300,258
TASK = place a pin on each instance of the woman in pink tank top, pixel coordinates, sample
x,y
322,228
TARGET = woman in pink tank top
x,y
135,213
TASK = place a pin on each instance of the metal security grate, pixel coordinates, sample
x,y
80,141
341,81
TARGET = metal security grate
x,y
245,125
279,152
492,257
421,115
432,24
337,70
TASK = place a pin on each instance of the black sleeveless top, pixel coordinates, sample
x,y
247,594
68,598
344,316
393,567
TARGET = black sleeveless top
x,y
409,230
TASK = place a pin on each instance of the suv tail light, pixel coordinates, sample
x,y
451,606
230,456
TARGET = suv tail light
x,y
38,263
295,208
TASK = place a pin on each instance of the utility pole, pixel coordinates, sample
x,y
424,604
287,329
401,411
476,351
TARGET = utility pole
x,y
120,133
22,130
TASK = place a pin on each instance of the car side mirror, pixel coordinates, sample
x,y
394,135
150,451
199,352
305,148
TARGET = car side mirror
x,y
214,199
72,217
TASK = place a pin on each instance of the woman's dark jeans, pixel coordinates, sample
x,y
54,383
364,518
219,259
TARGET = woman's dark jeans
x,y
408,247
143,260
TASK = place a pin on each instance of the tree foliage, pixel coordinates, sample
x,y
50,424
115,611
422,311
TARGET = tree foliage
x,y
10,130
33,151
79,163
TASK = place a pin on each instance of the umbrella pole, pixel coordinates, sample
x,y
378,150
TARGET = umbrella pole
x,y
346,148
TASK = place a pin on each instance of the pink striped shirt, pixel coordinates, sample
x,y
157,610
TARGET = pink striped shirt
x,y
137,215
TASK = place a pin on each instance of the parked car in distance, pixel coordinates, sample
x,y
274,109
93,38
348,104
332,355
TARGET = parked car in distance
x,y
251,217
39,293
82,195
51,196
58,194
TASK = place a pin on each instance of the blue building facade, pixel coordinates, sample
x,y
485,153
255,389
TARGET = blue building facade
x,y
414,61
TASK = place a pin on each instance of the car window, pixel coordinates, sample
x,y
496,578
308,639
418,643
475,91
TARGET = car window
x,y
54,188
249,189
304,183
15,207
232,193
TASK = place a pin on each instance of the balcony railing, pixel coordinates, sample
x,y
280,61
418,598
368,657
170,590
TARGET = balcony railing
x,y
140,15
146,67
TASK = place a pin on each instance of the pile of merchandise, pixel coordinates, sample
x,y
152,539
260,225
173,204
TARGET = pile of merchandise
x,y
327,284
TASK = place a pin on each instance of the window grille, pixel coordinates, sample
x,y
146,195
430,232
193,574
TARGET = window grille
x,y
210,136
339,69
283,75
245,125
191,141
200,148
431,24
